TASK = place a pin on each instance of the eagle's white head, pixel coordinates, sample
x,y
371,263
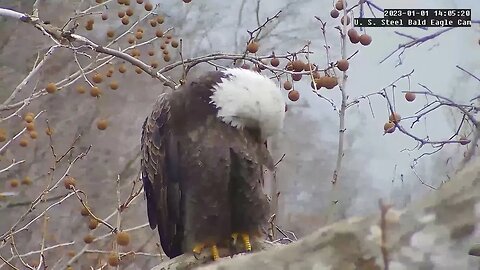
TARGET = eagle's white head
x,y
248,99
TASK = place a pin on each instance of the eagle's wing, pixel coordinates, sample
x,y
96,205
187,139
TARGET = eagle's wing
x,y
159,167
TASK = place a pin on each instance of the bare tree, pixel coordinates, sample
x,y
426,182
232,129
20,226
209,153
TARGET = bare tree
x,y
60,159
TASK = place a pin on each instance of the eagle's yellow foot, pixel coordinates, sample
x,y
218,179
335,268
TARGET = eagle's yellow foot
x,y
245,240
214,251
198,248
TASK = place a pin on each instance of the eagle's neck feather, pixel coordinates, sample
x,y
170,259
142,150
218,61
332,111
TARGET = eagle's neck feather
x,y
248,99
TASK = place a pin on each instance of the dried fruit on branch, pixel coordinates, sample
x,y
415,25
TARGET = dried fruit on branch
x,y
69,182
365,39
252,47
293,95
123,238
51,88
343,64
389,127
409,96
395,117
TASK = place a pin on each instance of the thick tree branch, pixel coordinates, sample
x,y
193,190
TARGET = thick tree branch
x,y
437,231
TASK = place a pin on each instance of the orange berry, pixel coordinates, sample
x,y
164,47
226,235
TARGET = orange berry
x,y
389,127
274,62
92,224
14,183
95,91
409,96
331,82
51,88
23,142
252,47
129,12
135,52
148,6
28,118
293,95
339,5
102,124
353,35
113,259
84,212
160,19
159,33
365,39
154,64
69,182
175,43
342,64
110,33
298,65
80,89
131,39
343,19
321,81
334,13
296,77
97,78
30,126
3,135
395,117
89,27
33,134
113,85
27,181
122,69
123,238
88,238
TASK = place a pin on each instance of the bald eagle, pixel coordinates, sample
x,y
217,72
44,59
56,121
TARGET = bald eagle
x,y
203,154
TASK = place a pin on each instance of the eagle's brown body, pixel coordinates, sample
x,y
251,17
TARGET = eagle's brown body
x,y
202,177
